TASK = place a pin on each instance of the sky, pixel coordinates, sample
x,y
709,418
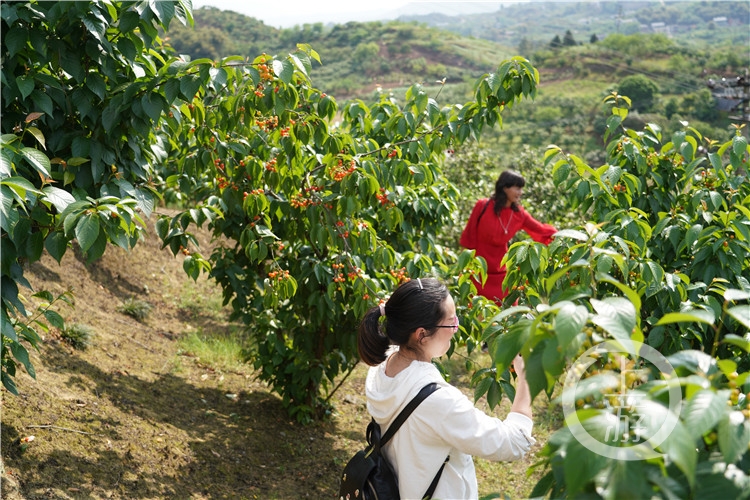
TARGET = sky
x,y
287,13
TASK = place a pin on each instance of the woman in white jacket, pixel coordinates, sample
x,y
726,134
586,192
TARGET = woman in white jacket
x,y
419,320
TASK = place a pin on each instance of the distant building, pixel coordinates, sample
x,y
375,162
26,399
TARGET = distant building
x,y
720,20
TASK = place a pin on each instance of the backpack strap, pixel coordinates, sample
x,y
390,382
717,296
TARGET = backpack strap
x,y
435,480
401,418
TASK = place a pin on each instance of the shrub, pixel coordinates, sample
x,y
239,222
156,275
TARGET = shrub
x,y
663,264
136,308
78,335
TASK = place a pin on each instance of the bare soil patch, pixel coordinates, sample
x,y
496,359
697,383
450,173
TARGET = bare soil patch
x,y
133,417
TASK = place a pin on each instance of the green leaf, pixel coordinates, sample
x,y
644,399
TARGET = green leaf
x,y
56,244
568,323
38,135
735,295
15,39
87,231
616,315
741,314
76,161
97,248
734,436
285,71
691,316
189,86
6,327
716,479
38,160
128,21
96,84
70,60
59,198
535,375
743,343
678,444
494,394
20,186
704,411
25,86
95,26
508,345
631,294
127,47
693,361
54,319
573,234
152,105
626,481
164,10
171,89
739,145
9,383
111,112
581,465
42,102
22,356
145,201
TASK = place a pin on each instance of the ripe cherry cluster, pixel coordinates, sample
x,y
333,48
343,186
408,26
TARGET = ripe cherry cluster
x,y
265,72
383,198
253,192
278,275
339,173
222,182
268,124
400,274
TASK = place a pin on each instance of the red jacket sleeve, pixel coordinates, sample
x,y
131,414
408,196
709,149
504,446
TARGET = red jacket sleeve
x,y
538,231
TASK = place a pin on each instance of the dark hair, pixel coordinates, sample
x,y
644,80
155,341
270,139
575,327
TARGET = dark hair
x,y
414,304
508,178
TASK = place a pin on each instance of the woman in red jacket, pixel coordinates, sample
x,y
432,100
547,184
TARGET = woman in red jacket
x,y
493,223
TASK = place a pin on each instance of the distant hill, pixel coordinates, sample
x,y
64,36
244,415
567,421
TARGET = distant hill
x,y
357,57
538,22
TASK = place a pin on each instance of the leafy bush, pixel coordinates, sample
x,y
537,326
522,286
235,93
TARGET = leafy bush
x,y
664,264
320,220
77,335
135,308
641,90
77,138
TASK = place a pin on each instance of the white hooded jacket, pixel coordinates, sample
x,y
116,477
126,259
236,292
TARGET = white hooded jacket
x,y
446,423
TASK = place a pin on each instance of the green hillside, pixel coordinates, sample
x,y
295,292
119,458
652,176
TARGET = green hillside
x,y
536,23
357,57
583,52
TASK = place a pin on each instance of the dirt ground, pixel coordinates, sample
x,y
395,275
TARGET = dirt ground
x,y
132,417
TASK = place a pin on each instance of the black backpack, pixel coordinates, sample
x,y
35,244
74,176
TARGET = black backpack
x,y
368,475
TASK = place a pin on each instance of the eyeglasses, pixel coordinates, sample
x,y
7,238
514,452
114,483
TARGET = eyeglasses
x,y
454,326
